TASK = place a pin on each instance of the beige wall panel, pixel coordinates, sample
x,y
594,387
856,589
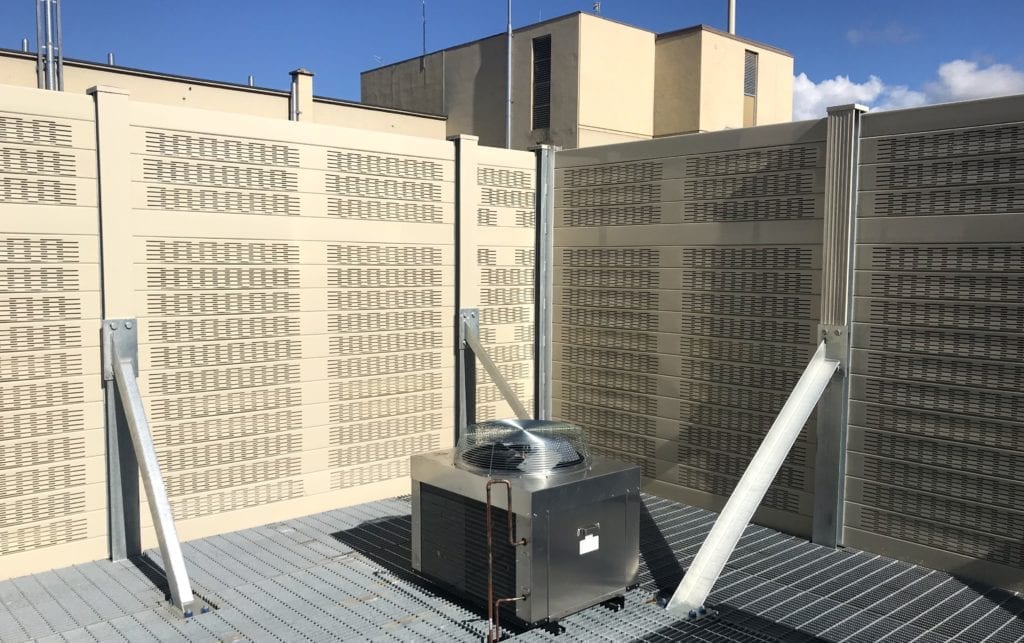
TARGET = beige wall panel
x,y
156,88
687,276
35,160
52,474
590,137
366,118
73,116
498,242
20,72
677,69
616,78
179,92
286,337
273,141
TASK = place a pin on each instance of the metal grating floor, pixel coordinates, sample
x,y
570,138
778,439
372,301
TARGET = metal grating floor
x,y
344,575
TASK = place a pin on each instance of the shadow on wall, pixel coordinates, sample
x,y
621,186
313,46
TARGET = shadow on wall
x,y
488,117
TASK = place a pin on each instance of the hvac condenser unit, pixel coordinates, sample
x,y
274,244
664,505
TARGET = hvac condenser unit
x,y
572,540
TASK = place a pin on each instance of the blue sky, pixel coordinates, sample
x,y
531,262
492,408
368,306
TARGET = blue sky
x,y
888,53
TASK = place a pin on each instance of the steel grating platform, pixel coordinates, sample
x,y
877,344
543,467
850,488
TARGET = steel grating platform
x,y
345,575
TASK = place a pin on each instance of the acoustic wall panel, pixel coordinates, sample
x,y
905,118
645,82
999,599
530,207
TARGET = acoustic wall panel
x,y
936,465
687,294
498,246
294,286
52,502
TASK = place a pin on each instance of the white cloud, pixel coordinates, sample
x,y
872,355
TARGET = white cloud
x,y
963,80
956,80
810,99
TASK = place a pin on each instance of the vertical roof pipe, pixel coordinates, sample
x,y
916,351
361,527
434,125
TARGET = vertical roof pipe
x,y
508,80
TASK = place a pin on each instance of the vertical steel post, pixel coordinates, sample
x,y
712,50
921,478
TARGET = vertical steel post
x,y
508,79
544,280
467,291
468,320
841,171
124,529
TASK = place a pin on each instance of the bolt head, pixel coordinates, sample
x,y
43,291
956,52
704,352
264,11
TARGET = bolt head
x,y
128,324
113,325
837,331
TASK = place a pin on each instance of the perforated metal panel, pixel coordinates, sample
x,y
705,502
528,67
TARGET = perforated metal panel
x,y
52,507
294,286
498,255
937,410
687,295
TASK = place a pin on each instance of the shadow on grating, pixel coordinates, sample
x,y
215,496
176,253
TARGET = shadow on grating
x,y
386,541
345,574
156,575
657,554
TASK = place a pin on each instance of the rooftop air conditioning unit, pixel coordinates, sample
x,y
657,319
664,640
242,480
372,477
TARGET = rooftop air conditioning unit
x,y
564,524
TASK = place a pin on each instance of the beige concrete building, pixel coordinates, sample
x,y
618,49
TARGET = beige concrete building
x,y
582,80
19,69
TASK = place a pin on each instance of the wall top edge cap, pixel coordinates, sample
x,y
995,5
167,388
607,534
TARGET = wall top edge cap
x,y
106,89
301,71
851,106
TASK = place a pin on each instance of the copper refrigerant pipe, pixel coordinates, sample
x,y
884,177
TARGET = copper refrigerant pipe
x,y
493,607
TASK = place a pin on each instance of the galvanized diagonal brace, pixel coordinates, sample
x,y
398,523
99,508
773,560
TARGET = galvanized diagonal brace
x,y
471,350
125,408
707,565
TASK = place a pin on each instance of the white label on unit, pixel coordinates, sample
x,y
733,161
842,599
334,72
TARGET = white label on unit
x,y
589,544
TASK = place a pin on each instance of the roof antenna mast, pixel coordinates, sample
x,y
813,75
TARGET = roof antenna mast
x,y
508,79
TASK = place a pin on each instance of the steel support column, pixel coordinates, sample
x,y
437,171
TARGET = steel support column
x,y
467,320
544,280
841,169
122,465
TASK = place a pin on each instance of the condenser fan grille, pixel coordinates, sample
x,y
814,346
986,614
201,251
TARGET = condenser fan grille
x,y
511,447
